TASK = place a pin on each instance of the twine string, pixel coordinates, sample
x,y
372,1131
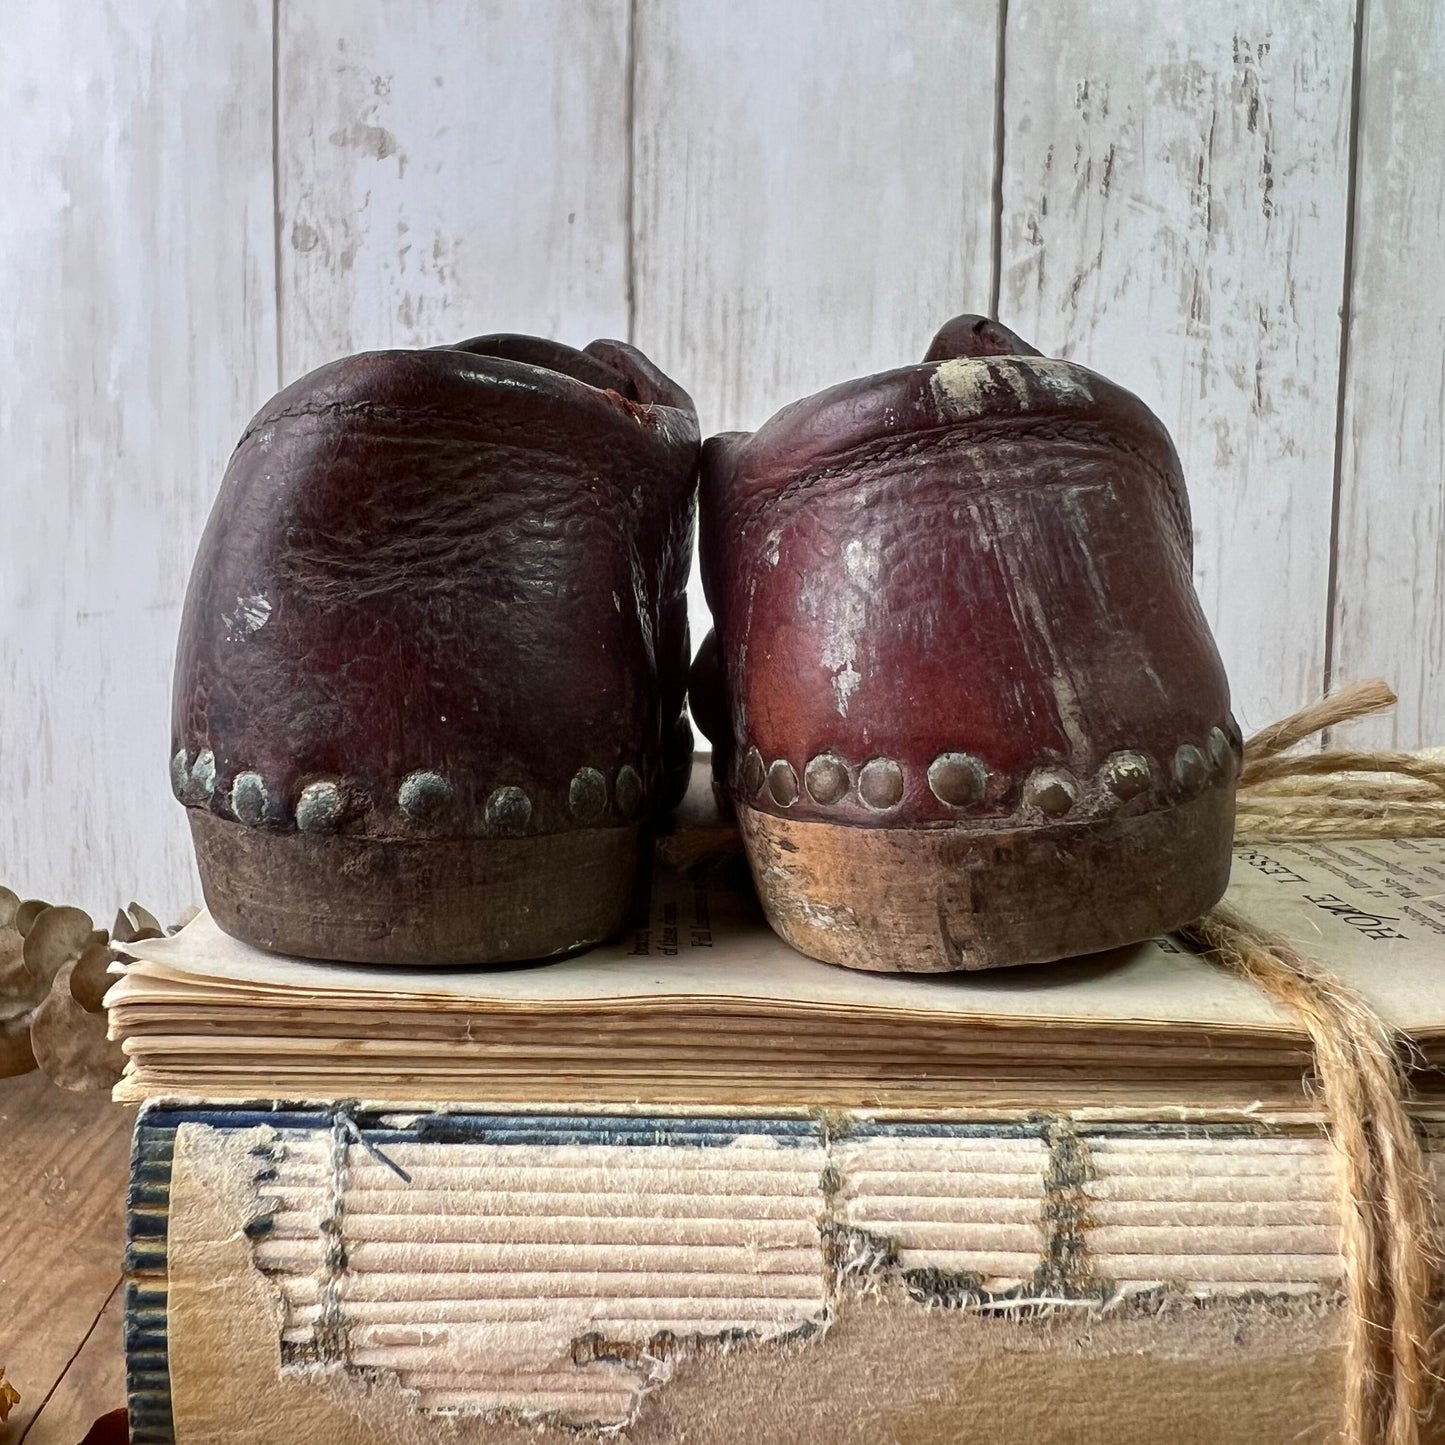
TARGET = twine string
x,y
1337,793
1386,1227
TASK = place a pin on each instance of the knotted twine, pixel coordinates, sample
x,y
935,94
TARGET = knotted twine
x,y
1386,1237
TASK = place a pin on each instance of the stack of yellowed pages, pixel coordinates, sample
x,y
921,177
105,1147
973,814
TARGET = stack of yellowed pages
x,y
702,1004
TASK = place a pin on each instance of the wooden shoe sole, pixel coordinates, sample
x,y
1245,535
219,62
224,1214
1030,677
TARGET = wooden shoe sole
x,y
969,896
427,903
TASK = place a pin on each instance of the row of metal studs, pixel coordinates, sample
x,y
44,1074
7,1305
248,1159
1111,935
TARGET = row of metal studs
x,y
423,796
960,780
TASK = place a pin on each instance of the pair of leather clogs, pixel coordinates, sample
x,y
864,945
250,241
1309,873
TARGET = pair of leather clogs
x,y
434,657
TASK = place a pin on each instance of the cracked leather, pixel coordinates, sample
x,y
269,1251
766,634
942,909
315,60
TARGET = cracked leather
x,y
986,553
470,560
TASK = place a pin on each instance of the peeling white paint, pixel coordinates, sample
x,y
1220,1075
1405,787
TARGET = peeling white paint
x,y
968,386
1061,379
862,562
845,615
249,615
1012,375
845,684
960,384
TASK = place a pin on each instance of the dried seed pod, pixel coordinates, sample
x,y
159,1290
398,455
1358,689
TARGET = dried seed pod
x,y
123,930
17,1056
146,923
70,1042
55,937
27,912
13,1010
19,989
133,924
89,979
9,1396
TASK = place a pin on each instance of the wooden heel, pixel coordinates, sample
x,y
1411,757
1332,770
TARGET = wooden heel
x,y
353,899
925,900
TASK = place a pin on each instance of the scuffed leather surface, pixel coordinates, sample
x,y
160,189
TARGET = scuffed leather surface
x,y
471,560
987,553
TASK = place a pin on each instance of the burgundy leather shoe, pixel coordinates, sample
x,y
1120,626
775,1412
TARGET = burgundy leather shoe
x,y
433,657
970,712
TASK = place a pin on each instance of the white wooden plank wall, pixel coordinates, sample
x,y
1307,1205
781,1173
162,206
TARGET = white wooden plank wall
x,y
1174,191
136,269
450,167
768,198
1389,616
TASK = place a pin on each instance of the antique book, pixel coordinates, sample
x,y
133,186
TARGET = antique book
x,y
321,1275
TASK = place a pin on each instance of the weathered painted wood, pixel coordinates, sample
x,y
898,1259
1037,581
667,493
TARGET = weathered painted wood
x,y
450,167
1389,613
813,186
1174,192
136,282
813,189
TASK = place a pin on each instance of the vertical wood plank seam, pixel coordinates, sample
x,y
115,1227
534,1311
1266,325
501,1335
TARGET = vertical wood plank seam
x,y
276,187
629,120
995,231
1357,82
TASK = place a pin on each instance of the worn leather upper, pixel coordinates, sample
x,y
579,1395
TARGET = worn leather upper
x,y
442,587
958,590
